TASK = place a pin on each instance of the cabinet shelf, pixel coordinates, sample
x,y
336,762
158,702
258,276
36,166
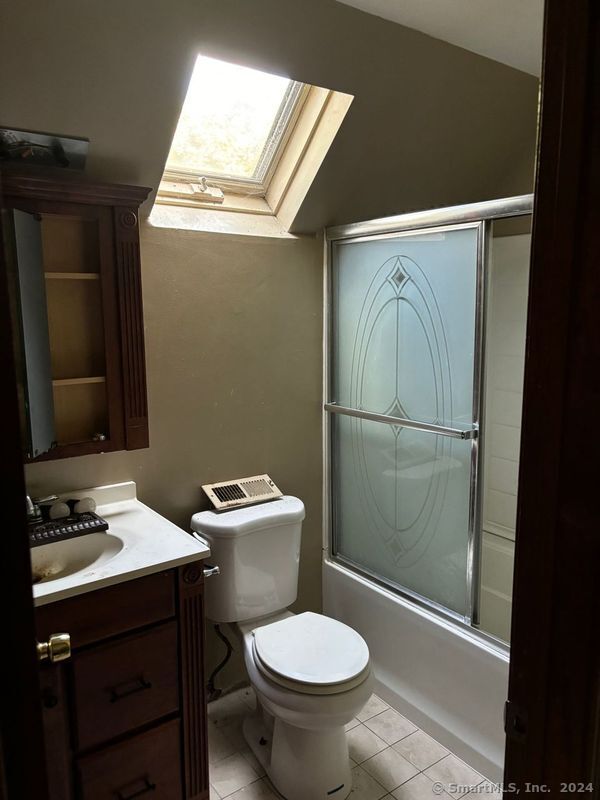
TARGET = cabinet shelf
x,y
73,276
78,381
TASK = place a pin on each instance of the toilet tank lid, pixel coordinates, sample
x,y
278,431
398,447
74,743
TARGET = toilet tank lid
x,y
239,521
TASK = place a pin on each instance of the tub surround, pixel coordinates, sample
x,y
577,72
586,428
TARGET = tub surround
x,y
150,544
505,356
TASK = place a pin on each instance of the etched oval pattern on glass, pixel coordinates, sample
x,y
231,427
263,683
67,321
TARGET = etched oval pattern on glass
x,y
400,367
404,319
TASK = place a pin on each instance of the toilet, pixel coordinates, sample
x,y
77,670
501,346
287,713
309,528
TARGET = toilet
x,y
311,673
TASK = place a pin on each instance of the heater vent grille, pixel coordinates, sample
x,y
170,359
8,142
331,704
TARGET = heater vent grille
x,y
241,492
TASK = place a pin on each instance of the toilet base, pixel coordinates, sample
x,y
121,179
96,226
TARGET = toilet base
x,y
300,763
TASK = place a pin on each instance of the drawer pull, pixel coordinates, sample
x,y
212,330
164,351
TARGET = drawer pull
x,y
128,688
147,787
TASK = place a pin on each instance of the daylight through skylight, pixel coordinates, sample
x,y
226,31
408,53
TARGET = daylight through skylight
x,y
230,120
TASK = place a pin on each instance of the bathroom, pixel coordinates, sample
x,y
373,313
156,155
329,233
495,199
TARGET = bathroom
x,y
240,324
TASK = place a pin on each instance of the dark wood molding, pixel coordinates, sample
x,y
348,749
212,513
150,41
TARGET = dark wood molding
x,y
193,699
129,277
63,187
55,703
114,209
21,735
553,732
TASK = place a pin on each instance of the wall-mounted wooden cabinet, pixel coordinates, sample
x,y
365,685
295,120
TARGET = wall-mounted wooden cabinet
x,y
77,306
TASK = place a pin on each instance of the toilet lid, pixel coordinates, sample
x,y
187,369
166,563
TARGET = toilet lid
x,y
312,649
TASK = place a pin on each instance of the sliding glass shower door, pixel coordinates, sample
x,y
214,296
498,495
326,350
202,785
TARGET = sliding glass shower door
x,y
404,397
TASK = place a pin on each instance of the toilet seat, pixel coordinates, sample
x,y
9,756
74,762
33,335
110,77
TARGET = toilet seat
x,y
311,654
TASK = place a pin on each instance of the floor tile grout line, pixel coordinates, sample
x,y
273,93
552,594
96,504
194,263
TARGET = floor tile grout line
x,y
437,762
373,779
225,796
234,710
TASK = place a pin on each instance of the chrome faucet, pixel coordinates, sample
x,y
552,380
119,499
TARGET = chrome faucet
x,y
33,510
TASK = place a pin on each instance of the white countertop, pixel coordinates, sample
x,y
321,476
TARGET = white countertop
x,y
150,544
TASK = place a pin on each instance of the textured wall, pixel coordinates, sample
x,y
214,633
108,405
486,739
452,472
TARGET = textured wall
x,y
233,340
233,324
431,124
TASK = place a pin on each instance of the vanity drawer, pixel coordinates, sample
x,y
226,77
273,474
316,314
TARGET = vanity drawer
x,y
98,615
120,686
147,765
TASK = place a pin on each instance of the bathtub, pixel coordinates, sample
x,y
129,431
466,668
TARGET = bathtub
x,y
443,677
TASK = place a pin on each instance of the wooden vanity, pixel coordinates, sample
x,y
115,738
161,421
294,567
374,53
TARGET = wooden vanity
x,y
125,715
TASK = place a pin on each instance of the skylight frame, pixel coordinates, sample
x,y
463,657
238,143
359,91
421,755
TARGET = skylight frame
x,y
279,134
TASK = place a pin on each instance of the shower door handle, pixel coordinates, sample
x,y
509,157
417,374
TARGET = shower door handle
x,y
440,430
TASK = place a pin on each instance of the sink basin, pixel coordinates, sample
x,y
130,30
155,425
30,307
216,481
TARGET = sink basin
x,y
49,562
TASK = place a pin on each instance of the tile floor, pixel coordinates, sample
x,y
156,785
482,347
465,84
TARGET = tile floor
x,y
392,758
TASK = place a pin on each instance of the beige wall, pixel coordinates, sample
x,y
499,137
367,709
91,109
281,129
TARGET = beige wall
x,y
233,324
431,124
233,342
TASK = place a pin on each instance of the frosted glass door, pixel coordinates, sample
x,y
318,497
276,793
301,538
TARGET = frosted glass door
x,y
404,370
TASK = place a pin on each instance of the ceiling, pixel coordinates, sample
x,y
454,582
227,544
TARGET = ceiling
x,y
509,31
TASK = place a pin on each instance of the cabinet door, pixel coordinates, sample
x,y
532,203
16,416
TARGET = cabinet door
x,y
79,273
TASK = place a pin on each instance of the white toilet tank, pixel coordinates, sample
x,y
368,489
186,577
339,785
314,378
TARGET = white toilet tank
x,y
258,551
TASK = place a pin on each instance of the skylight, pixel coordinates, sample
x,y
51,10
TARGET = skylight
x,y
247,143
232,122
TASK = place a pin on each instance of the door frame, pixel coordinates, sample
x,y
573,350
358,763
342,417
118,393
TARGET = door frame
x,y
553,712
22,754
555,665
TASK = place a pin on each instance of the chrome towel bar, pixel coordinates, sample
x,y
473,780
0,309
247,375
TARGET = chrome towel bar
x,y
441,430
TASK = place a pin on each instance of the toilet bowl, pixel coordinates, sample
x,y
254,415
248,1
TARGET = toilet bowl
x,y
311,673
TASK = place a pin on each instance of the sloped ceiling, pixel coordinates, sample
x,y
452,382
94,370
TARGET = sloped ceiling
x,y
431,124
509,31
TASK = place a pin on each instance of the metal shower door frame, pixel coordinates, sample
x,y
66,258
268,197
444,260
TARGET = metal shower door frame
x,y
480,216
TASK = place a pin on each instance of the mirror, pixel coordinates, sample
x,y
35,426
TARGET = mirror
x,y
56,302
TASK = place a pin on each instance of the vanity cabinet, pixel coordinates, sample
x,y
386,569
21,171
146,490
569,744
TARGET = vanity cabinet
x,y
125,715
74,259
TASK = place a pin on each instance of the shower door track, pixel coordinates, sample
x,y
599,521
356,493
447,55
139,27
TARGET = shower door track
x,y
425,604
451,215
463,215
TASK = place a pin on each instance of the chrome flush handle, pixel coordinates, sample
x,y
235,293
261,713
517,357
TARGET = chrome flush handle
x,y
209,571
